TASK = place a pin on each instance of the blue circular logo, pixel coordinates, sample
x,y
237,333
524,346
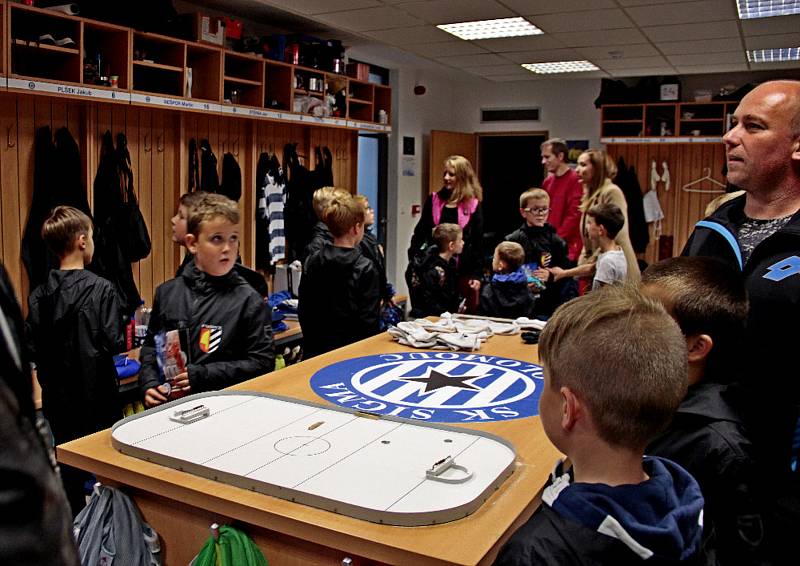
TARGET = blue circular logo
x,y
445,387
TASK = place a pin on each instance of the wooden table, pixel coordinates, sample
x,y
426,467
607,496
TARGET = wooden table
x,y
181,507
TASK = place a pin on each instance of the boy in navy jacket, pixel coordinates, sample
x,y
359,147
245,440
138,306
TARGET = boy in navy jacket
x,y
507,295
614,373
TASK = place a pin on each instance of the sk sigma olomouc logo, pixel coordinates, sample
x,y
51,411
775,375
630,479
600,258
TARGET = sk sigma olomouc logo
x,y
434,386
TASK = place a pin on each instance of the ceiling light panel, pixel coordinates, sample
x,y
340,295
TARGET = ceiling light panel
x,y
774,55
488,29
749,9
560,67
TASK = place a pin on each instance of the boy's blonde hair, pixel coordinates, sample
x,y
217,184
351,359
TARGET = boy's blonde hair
x,y
512,254
209,207
190,199
624,356
342,213
64,224
533,194
322,198
445,233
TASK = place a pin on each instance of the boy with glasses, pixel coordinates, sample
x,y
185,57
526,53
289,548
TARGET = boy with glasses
x,y
543,248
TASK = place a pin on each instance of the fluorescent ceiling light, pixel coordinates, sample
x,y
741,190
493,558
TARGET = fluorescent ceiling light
x,y
488,29
774,55
561,67
766,8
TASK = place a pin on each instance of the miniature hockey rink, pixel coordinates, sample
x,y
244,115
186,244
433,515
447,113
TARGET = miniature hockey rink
x,y
380,469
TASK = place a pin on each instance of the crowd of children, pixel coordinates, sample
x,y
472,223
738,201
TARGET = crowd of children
x,y
639,392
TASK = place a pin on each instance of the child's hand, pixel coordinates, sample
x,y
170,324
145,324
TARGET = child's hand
x,y
154,397
181,381
475,284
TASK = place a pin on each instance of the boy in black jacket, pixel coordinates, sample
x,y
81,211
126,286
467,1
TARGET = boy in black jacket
x,y
543,248
614,373
432,277
321,234
339,295
74,328
223,324
707,436
507,295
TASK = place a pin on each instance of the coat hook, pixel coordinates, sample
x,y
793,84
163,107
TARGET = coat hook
x,y
159,143
9,141
146,136
235,145
215,531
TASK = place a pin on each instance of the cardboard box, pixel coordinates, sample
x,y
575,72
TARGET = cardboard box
x,y
358,71
209,29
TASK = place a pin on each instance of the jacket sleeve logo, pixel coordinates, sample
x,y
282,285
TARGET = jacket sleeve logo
x,y
783,269
210,338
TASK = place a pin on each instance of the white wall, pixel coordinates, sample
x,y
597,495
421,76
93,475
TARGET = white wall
x,y
567,111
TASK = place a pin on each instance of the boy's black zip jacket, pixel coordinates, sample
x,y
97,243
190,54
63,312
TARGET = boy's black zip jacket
x,y
196,302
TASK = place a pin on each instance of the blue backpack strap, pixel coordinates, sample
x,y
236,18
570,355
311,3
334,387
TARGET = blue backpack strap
x,y
725,233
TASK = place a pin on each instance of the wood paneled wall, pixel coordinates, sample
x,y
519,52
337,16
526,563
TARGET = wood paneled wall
x,y
158,143
686,162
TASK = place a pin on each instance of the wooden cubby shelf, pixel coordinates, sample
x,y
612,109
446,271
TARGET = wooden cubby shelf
x,y
118,64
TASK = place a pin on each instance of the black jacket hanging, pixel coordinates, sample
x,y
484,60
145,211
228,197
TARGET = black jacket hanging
x,y
299,216
324,168
194,167
231,185
209,180
134,236
637,226
56,181
110,261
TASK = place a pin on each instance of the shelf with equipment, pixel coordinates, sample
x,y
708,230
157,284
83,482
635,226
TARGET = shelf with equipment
x,y
43,44
105,55
52,53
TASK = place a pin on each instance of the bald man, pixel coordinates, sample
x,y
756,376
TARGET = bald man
x,y
759,233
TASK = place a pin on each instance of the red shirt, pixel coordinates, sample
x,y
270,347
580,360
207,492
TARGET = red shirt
x,y
565,193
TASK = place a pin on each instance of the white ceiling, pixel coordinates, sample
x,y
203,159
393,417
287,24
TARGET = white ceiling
x,y
624,38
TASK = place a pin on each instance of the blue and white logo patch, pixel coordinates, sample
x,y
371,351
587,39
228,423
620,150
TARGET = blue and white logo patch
x,y
445,387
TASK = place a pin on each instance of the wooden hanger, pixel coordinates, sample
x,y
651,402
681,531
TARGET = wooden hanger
x,y
720,187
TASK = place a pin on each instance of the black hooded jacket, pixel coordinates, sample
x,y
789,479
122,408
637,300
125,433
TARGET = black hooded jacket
x,y
74,328
339,299
537,241
773,290
507,296
708,438
196,301
320,236
432,284
36,526
371,249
